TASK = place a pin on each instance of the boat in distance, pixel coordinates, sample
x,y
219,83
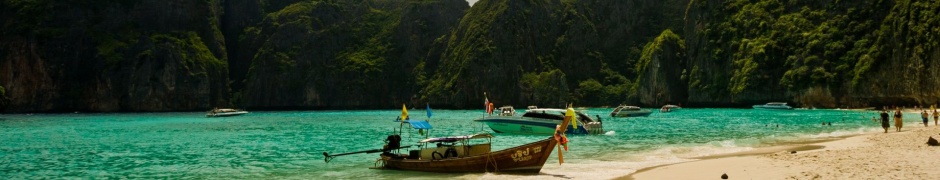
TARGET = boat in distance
x,y
773,105
225,112
629,111
541,121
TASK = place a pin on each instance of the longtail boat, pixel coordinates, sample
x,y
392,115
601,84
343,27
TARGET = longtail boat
x,y
464,154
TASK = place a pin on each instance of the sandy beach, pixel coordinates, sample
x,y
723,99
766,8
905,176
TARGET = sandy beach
x,y
892,155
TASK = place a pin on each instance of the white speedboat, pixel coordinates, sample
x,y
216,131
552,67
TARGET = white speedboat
x,y
225,112
669,108
773,105
629,111
506,111
541,121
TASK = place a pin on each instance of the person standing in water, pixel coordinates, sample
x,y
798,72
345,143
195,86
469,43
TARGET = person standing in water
x,y
924,116
884,119
898,122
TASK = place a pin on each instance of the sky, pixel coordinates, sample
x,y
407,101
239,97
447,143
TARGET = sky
x,y
472,1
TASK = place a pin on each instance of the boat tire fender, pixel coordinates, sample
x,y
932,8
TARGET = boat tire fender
x,y
435,154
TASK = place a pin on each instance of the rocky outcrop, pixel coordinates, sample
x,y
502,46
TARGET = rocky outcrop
x,y
128,56
662,70
592,42
901,67
819,54
343,54
184,55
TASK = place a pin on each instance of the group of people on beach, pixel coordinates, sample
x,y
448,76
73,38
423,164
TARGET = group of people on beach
x,y
899,122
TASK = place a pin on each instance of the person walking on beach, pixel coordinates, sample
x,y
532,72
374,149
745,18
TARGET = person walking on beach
x,y
884,120
935,117
898,122
924,116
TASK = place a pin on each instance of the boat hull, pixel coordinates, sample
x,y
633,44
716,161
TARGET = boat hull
x,y
524,159
227,114
632,114
772,107
523,125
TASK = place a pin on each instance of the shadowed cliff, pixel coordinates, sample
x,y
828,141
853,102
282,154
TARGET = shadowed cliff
x,y
124,55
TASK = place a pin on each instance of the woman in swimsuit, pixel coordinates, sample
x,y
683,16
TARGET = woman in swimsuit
x,y
898,122
935,117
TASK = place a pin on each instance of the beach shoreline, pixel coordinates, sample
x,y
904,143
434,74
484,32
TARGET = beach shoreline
x,y
873,155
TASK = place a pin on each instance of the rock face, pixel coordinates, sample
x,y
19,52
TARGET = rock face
x,y
343,54
180,55
820,54
662,69
126,56
594,43
901,67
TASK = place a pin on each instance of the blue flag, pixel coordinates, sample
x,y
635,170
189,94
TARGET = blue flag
x,y
429,111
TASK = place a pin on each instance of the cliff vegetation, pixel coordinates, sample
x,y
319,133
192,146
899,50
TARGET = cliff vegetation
x,y
178,55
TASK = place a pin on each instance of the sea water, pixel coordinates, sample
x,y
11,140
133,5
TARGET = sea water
x,y
290,144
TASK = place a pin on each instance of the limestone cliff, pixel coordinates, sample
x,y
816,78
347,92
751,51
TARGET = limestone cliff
x,y
594,43
662,68
343,54
146,55
816,54
112,56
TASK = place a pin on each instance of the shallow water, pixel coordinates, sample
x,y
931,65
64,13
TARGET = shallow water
x,y
289,144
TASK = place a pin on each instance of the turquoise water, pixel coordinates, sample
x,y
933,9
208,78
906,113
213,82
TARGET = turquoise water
x,y
275,145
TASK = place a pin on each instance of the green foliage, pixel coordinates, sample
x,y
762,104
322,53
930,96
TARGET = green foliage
x,y
194,54
3,92
111,47
774,45
549,88
908,32
653,48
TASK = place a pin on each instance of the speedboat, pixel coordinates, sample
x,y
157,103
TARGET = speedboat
x,y
506,111
669,108
541,121
629,111
773,105
225,112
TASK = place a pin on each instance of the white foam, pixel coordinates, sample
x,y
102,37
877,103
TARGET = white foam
x,y
610,133
839,133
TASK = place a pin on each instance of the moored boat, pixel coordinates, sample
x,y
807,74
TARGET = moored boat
x,y
773,105
541,121
629,111
506,111
225,112
669,108
457,154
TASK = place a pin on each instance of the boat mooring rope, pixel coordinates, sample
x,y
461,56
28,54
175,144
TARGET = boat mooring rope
x,y
490,159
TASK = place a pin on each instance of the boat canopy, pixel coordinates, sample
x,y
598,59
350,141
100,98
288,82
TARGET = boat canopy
x,y
456,138
417,124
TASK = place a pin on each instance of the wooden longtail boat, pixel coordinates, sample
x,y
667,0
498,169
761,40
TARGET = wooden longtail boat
x,y
457,154
472,158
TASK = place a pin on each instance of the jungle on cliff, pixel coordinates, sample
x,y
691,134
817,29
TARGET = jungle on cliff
x,y
183,55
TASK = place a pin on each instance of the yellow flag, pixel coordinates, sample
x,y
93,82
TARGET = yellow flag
x,y
574,120
404,112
